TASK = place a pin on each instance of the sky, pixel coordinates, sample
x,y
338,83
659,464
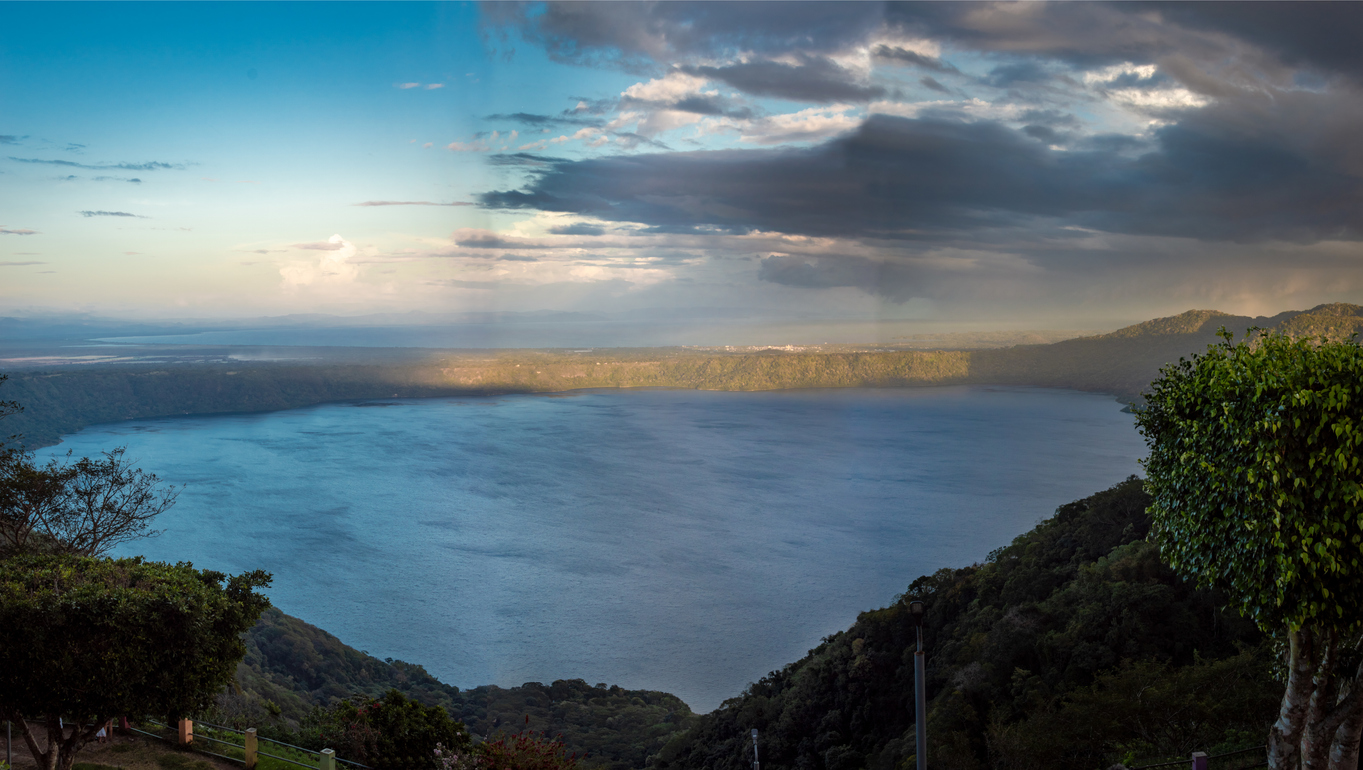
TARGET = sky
x,y
1038,165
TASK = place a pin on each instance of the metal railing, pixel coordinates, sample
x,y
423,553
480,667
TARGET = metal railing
x,y
1200,761
323,760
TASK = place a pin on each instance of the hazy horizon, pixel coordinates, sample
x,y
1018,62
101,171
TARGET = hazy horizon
x,y
969,166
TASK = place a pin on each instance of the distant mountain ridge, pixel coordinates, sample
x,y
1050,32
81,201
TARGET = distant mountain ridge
x,y
1126,361
64,399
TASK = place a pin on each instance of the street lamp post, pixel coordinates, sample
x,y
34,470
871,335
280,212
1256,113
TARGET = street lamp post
x,y
755,765
920,699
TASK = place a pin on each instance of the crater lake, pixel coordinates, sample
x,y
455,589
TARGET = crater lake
x,y
676,540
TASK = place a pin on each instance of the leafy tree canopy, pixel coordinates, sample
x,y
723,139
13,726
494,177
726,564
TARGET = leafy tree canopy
x,y
389,732
1255,472
89,639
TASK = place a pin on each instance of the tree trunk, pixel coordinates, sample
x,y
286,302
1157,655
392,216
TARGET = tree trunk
x,y
1344,751
1284,738
61,750
1318,729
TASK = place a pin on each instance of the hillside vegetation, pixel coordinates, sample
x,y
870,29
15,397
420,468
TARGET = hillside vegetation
x,y
1073,647
65,399
291,667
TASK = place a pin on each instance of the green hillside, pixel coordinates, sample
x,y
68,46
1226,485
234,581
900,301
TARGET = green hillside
x,y
292,666
1073,647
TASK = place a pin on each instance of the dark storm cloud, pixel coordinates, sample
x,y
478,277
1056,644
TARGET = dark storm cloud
x,y
813,79
1006,75
638,35
889,279
703,104
1322,35
931,83
148,166
647,36
914,58
1211,177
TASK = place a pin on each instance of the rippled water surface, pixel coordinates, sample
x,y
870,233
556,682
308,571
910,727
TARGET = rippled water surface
x,y
665,539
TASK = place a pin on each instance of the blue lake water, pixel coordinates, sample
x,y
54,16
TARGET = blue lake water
x,y
676,540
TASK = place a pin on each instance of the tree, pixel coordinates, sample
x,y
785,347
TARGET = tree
x,y
84,508
85,640
8,408
1257,490
389,732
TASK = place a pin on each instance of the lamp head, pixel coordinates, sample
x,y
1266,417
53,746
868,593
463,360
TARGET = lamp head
x,y
916,611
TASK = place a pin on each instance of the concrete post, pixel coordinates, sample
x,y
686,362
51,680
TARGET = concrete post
x,y
186,732
1199,760
920,706
250,748
328,761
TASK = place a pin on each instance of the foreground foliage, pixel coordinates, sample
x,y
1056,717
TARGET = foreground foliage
x,y
89,639
1032,660
291,666
1258,491
392,732
85,507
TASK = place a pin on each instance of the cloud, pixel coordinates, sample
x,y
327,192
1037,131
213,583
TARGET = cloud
x,y
405,86
471,238
1319,35
809,79
20,264
578,229
892,280
433,86
148,166
813,124
931,83
635,36
410,203
542,121
329,269
476,145
8,139
1215,176
133,180
19,231
335,243
910,56
110,214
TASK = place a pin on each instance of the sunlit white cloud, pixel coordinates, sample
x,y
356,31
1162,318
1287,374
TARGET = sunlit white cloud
x,y
330,268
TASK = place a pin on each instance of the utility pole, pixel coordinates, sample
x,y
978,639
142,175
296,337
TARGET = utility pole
x,y
920,689
755,764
